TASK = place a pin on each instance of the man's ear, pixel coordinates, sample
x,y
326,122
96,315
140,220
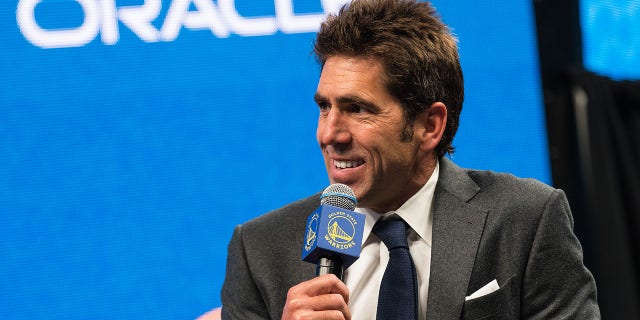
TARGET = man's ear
x,y
430,125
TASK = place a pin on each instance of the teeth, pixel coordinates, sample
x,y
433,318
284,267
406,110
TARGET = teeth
x,y
347,164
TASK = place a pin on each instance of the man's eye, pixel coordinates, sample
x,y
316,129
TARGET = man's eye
x,y
323,106
356,109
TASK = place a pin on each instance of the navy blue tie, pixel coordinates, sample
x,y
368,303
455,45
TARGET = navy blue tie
x,y
398,298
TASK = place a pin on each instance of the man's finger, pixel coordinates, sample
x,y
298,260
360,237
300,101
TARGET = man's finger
x,y
325,284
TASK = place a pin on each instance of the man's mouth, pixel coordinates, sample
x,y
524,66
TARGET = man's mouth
x,y
343,164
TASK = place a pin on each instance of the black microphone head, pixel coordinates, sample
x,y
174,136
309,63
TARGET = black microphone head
x,y
339,195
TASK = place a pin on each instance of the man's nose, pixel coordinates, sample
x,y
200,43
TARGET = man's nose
x,y
334,129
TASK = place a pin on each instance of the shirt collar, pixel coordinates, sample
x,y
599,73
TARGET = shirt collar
x,y
417,211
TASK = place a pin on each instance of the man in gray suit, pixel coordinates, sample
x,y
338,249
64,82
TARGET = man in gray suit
x,y
484,245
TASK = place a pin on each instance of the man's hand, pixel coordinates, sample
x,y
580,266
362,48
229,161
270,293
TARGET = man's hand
x,y
323,298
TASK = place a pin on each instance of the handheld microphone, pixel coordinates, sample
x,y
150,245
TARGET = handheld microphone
x,y
333,236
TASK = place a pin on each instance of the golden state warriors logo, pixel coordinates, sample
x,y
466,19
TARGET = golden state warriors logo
x,y
341,230
312,232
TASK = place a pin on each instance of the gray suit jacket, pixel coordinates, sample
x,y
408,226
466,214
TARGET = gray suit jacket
x,y
485,226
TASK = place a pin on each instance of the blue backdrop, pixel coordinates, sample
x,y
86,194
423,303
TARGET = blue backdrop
x,y
134,135
611,37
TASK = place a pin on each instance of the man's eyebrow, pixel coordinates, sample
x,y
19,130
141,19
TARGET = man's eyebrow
x,y
348,99
317,98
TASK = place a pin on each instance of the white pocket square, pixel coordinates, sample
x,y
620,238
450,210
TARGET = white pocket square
x,y
488,288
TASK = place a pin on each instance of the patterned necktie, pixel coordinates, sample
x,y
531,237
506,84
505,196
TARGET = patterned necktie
x,y
398,298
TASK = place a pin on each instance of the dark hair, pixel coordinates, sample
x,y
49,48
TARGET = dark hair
x,y
418,52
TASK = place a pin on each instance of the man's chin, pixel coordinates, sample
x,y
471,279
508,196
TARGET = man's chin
x,y
350,184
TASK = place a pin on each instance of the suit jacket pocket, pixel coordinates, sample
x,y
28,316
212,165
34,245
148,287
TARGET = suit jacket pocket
x,y
499,304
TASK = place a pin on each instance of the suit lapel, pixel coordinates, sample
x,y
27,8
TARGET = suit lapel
x,y
457,228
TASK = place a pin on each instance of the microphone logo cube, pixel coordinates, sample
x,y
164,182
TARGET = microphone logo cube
x,y
333,231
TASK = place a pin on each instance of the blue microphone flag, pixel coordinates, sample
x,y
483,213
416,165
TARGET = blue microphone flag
x,y
333,232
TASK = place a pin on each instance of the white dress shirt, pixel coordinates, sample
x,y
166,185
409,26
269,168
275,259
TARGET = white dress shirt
x,y
363,277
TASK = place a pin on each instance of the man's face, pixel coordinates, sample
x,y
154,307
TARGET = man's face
x,y
359,131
